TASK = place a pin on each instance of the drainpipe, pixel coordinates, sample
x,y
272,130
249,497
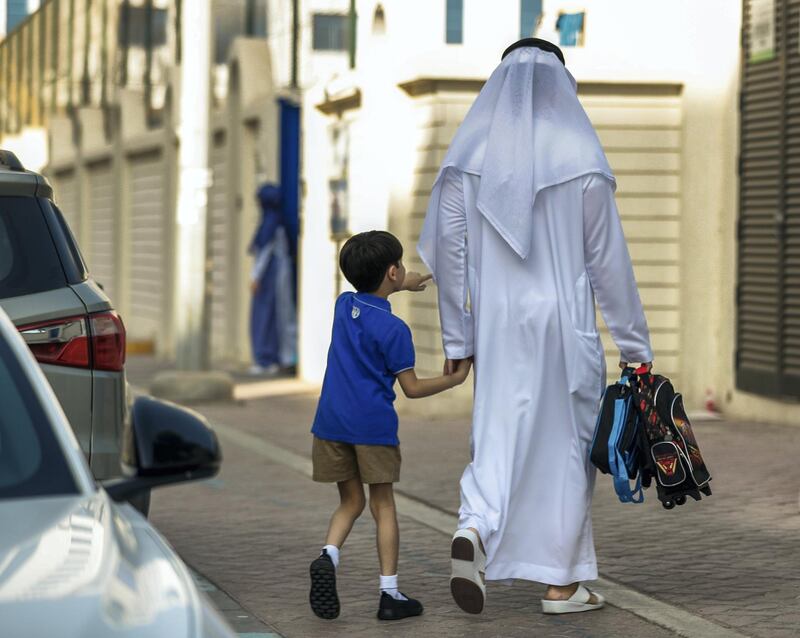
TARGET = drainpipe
x,y
193,183
352,43
295,42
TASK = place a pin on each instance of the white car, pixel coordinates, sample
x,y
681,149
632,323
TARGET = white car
x,y
76,561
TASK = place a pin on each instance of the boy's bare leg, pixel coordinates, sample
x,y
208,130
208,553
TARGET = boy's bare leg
x,y
394,605
352,502
381,504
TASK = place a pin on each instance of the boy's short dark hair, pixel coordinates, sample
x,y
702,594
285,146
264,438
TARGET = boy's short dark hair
x,y
365,258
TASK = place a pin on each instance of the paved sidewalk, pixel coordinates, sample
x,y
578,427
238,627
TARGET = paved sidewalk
x,y
254,530
733,558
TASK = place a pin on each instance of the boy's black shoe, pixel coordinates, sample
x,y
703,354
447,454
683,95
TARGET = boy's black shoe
x,y
323,598
392,609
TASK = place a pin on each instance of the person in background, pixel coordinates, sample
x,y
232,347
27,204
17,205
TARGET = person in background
x,y
273,321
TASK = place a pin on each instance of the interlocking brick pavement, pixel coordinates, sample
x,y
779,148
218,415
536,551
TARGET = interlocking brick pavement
x,y
253,531
733,558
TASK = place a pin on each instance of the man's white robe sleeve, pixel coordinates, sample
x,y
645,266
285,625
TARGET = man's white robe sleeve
x,y
608,265
451,268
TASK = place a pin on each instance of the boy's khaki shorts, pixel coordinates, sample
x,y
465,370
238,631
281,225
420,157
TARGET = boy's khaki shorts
x,y
335,461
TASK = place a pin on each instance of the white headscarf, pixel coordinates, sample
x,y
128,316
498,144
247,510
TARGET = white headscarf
x,y
526,131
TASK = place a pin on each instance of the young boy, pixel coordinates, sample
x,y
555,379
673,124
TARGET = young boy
x,y
355,428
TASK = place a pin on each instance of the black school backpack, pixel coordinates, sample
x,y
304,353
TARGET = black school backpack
x,y
671,452
643,433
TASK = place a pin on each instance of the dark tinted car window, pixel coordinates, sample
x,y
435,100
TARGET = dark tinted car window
x,y
72,244
31,461
29,262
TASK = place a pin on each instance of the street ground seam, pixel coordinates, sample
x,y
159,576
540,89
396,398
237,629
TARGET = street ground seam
x,y
654,611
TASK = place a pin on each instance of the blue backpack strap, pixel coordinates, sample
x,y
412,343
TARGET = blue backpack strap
x,y
616,463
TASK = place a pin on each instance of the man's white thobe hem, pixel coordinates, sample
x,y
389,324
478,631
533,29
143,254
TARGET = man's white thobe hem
x,y
541,573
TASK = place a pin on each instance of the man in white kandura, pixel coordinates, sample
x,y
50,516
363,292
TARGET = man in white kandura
x,y
521,234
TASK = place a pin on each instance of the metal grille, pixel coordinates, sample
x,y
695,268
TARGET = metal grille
x,y
768,292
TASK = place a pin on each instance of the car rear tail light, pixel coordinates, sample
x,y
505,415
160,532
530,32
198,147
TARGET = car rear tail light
x,y
64,342
96,341
108,341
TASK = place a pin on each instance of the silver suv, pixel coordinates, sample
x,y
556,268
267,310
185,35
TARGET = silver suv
x,y
62,313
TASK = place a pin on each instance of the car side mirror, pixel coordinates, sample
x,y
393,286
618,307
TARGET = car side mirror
x,y
163,443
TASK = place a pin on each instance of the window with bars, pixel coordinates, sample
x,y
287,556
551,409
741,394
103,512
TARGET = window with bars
x,y
331,32
256,18
16,12
454,22
529,12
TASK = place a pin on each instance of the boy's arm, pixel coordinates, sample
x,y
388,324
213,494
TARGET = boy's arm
x,y
415,388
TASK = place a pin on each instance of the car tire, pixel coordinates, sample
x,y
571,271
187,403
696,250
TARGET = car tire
x,y
141,502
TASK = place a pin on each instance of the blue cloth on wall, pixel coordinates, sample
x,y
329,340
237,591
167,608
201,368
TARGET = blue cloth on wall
x,y
264,336
269,196
569,25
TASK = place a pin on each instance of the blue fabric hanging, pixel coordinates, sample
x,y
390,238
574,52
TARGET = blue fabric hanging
x,y
264,329
263,320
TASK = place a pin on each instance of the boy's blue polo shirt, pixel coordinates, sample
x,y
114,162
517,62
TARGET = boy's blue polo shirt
x,y
369,348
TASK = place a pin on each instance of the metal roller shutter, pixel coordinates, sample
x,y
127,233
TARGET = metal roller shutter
x,y
791,248
65,188
768,287
218,251
103,227
147,232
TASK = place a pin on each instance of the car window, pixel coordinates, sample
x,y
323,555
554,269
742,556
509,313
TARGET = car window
x,y
32,462
72,244
29,262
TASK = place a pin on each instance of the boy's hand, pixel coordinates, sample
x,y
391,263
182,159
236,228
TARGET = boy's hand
x,y
416,282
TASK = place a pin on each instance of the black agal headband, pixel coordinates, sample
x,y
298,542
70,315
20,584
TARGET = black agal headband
x,y
539,44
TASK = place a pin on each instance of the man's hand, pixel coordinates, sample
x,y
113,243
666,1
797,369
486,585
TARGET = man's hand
x,y
415,282
647,364
451,365
254,287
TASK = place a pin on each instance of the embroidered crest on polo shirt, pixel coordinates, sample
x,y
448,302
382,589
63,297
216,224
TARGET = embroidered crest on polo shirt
x,y
356,312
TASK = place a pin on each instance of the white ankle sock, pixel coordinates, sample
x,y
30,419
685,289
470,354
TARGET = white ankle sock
x,y
389,585
333,552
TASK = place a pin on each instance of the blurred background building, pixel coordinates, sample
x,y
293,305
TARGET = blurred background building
x,y
89,92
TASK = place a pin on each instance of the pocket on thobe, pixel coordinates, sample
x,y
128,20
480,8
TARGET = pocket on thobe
x,y
586,365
